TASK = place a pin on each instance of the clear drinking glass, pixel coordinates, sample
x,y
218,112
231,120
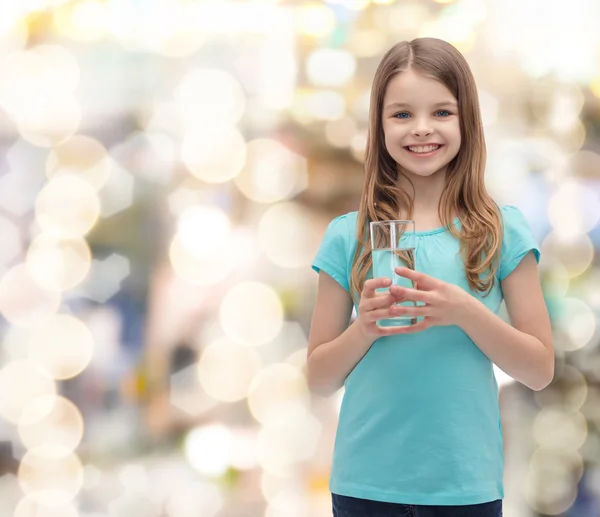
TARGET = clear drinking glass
x,y
393,245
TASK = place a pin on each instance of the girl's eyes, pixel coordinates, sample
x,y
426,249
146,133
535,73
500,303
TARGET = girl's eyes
x,y
405,115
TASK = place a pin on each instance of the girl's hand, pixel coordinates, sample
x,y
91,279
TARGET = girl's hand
x,y
376,306
445,304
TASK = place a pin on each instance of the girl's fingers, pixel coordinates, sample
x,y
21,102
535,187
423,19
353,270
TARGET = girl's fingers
x,y
372,284
403,310
379,314
409,329
380,301
414,295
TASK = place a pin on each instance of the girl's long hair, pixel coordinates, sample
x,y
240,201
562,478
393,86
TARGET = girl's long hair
x,y
464,193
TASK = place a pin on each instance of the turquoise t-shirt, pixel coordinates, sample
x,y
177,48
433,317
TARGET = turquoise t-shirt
x,y
420,420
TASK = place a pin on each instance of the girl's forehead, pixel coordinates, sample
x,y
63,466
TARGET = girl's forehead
x,y
412,88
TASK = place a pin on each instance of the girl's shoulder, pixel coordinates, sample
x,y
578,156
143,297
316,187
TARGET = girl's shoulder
x,y
344,224
512,218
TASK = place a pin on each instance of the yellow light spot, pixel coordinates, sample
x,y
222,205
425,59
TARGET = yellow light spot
x,y
58,265
22,301
63,345
67,207
25,382
51,475
251,313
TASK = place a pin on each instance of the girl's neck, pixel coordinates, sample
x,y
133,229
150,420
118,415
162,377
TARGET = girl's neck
x,y
426,195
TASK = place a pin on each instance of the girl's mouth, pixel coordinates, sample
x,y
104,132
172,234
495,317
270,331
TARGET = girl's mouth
x,y
423,151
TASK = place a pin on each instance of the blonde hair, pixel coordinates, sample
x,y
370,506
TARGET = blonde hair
x,y
464,193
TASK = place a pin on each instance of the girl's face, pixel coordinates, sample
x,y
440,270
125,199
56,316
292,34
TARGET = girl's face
x,y
420,123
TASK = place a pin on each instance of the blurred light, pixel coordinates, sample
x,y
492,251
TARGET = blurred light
x,y
402,18
289,502
51,475
21,382
368,43
50,124
285,235
297,359
169,29
134,478
555,277
208,449
209,95
584,164
277,76
509,32
206,269
214,152
325,105
489,108
551,484
383,2
12,342
11,241
63,345
354,5
105,278
575,254
272,172
82,156
92,477
287,442
330,67
18,192
187,395
194,500
134,503
51,420
38,79
29,507
568,390
13,35
226,370
243,455
340,132
84,21
58,265
575,318
67,207
595,86
565,107
203,230
22,301
573,210
251,313
358,146
201,251
278,393
314,19
117,194
557,428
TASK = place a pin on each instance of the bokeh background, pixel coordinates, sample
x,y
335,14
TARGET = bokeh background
x,y
168,169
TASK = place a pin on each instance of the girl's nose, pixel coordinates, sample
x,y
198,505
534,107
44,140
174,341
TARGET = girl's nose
x,y
421,129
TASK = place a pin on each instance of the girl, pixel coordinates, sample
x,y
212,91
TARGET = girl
x,y
419,430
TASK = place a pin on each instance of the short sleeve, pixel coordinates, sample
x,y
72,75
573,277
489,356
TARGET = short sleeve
x,y
332,255
518,240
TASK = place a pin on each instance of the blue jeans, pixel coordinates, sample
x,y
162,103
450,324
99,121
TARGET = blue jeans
x,y
344,506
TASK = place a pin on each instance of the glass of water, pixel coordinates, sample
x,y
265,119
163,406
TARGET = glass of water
x,y
393,245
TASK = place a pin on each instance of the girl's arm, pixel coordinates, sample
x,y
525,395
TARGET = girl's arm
x,y
523,349
334,348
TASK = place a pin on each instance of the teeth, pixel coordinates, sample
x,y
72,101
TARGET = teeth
x,y
424,149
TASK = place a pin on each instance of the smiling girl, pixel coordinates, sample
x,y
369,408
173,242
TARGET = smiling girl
x,y
419,431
